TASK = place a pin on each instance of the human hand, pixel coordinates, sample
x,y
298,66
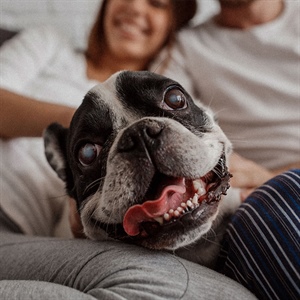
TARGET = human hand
x,y
247,175
74,220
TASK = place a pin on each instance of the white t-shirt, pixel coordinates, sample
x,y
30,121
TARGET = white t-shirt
x,y
251,80
39,63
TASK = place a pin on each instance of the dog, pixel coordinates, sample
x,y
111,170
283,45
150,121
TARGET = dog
x,y
146,165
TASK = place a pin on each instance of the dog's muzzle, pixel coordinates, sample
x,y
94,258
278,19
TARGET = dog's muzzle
x,y
181,200
172,206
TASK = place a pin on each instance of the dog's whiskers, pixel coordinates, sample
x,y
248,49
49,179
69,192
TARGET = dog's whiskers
x,y
92,185
113,210
93,219
210,238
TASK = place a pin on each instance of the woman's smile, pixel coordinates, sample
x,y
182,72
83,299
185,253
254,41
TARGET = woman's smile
x,y
130,29
136,29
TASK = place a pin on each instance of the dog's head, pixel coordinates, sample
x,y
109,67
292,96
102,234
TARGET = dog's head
x,y
143,162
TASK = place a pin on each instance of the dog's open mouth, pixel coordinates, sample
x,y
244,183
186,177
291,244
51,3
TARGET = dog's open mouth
x,y
179,199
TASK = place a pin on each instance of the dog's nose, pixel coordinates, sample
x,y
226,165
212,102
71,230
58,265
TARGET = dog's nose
x,y
141,135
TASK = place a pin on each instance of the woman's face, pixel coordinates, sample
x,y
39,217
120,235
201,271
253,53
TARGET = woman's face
x,y
137,29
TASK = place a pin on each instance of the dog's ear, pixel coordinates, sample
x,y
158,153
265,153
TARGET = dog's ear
x,y
55,139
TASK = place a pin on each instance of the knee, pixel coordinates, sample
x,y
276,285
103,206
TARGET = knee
x,y
273,198
262,235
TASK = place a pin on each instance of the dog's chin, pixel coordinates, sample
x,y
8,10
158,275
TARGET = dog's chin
x,y
184,211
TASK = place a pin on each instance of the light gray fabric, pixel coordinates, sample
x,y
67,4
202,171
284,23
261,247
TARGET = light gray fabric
x,y
38,290
106,270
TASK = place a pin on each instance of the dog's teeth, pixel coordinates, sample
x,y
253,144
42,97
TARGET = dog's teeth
x,y
201,191
176,213
160,220
167,217
183,208
179,209
199,188
189,204
183,204
196,185
195,199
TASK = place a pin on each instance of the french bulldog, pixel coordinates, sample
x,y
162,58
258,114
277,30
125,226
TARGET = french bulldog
x,y
146,165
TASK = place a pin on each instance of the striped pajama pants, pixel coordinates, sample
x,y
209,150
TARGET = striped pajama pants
x,y
261,248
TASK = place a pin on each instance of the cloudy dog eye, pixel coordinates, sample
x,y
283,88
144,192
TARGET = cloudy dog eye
x,y
88,153
174,98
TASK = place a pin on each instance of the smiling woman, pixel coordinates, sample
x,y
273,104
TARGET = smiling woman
x,y
131,33
137,31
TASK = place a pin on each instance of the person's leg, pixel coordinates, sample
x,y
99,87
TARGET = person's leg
x,y
262,245
38,290
105,270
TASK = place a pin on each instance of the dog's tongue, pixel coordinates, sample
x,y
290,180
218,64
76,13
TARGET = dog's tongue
x,y
171,197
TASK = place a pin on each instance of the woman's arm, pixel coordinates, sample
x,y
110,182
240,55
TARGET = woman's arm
x,y
295,165
21,116
248,175
22,60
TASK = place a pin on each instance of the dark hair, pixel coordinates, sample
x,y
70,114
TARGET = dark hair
x,y
183,12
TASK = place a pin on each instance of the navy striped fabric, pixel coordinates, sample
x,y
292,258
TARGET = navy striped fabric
x,y
261,248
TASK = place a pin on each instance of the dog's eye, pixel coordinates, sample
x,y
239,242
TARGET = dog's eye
x,y
174,98
88,153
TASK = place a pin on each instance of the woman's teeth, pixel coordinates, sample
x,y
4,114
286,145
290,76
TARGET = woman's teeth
x,y
131,29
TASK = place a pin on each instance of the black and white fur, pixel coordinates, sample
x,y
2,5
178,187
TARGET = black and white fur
x,y
143,127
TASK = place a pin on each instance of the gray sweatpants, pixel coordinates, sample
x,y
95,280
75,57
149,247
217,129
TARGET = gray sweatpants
x,y
52,268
